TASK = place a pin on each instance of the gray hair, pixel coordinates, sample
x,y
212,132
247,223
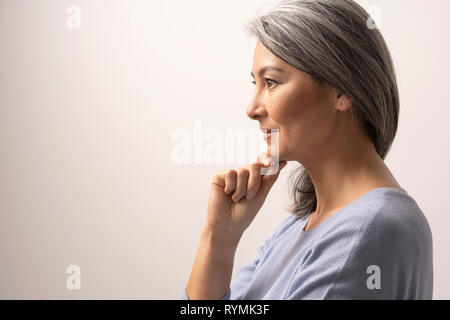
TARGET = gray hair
x,y
332,42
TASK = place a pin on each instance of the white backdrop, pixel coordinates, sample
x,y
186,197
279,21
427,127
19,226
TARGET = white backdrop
x,y
86,120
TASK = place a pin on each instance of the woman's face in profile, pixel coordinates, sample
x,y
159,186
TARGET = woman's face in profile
x,y
288,99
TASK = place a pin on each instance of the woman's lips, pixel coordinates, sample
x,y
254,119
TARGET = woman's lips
x,y
267,133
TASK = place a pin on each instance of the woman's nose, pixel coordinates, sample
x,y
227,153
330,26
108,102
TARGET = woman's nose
x,y
254,111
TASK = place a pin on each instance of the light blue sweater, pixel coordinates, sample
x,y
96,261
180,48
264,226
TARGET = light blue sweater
x,y
377,247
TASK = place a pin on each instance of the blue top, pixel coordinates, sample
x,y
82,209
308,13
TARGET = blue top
x,y
377,247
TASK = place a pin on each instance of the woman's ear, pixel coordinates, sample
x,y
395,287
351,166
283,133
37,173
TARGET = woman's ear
x,y
343,102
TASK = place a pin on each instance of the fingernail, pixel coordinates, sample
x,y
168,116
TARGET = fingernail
x,y
267,162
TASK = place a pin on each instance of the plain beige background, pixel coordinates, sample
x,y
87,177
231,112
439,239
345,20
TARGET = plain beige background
x,y
86,117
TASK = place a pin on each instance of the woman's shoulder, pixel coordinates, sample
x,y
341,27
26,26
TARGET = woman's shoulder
x,y
385,225
393,208
385,214
381,212
385,228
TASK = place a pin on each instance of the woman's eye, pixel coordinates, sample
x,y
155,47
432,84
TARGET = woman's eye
x,y
270,82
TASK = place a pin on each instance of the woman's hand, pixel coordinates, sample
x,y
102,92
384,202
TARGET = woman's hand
x,y
237,195
234,200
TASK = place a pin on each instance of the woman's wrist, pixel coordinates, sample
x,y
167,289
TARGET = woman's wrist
x,y
213,266
221,239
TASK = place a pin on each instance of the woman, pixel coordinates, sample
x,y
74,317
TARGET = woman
x,y
326,81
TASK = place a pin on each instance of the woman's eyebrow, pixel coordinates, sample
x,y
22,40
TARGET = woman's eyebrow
x,y
265,69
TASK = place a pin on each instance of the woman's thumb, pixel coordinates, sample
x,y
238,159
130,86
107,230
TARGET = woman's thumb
x,y
267,181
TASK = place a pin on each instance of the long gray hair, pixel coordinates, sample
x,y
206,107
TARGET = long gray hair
x,y
332,41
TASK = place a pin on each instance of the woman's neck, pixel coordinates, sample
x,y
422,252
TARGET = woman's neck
x,y
345,173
